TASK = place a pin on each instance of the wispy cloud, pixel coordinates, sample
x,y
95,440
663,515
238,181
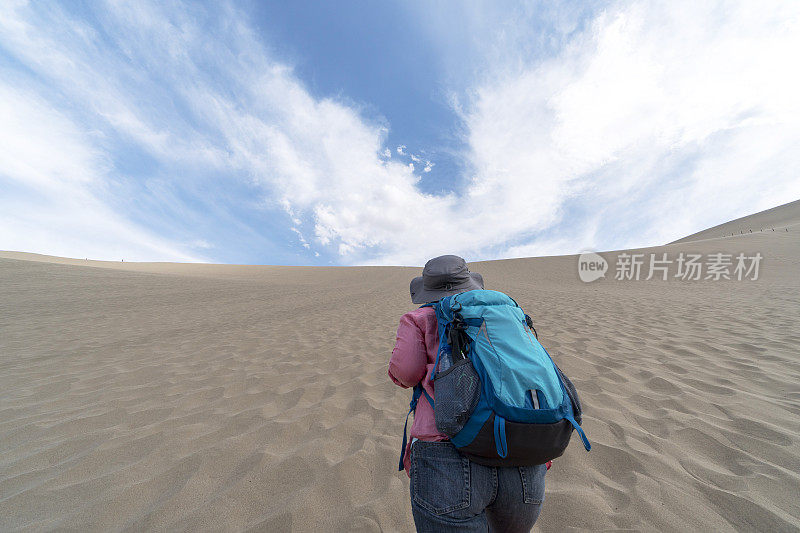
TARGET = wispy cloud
x,y
54,182
145,129
657,120
153,84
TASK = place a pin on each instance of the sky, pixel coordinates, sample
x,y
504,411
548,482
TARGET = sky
x,y
343,133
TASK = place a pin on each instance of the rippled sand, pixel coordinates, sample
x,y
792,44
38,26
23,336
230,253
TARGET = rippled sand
x,y
153,396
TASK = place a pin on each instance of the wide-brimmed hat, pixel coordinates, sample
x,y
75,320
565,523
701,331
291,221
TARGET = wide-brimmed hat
x,y
443,276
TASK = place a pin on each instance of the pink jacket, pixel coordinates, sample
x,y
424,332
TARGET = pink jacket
x,y
412,360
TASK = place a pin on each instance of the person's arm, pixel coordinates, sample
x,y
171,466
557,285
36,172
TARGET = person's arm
x,y
409,357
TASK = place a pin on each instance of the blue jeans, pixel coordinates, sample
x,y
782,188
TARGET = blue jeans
x,y
451,493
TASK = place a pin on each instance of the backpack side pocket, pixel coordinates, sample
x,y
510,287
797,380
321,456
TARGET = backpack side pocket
x,y
457,391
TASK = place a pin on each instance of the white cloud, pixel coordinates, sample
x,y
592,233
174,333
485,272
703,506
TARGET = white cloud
x,y
629,132
44,153
301,238
645,117
637,121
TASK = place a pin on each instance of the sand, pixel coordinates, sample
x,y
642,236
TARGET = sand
x,y
186,397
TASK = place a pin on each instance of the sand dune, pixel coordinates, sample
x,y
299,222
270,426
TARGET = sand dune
x,y
185,397
783,218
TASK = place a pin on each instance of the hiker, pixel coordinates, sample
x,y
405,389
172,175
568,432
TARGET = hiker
x,y
450,492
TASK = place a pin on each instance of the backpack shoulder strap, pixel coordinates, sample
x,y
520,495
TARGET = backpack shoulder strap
x,y
412,407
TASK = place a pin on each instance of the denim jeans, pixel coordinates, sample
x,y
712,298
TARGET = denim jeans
x,y
451,493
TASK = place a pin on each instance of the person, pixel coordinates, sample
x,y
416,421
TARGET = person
x,y
450,492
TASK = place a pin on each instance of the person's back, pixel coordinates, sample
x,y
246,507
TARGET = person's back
x,y
449,492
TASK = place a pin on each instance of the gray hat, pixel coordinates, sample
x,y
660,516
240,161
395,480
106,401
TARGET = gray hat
x,y
443,276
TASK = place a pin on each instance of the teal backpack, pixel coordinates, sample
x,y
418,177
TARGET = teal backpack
x,y
500,398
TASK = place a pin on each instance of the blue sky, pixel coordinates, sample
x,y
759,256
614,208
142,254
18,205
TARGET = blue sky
x,y
387,133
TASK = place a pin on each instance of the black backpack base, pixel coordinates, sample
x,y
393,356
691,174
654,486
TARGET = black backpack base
x,y
525,443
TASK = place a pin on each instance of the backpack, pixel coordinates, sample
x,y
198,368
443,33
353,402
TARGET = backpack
x,y
500,398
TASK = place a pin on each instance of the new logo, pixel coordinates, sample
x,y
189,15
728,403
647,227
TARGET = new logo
x,y
591,266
